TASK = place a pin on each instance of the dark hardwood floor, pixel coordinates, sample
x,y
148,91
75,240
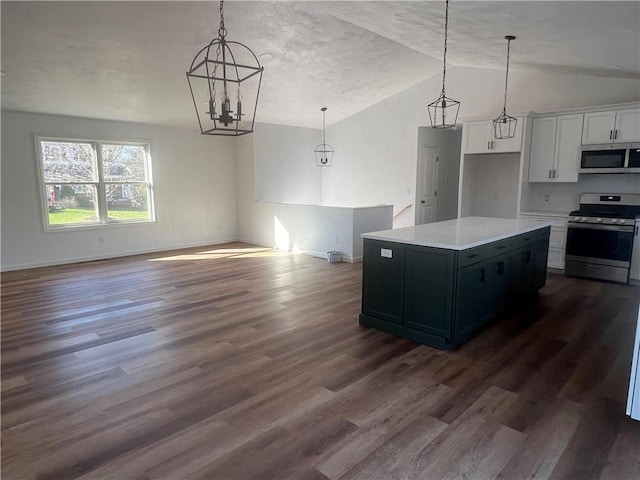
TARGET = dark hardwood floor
x,y
238,362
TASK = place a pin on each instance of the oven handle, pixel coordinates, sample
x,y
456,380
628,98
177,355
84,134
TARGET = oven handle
x,y
609,228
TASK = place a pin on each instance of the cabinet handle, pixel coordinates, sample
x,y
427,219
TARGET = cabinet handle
x,y
610,134
482,275
636,234
526,256
555,174
501,267
549,173
488,145
501,247
473,255
615,134
492,144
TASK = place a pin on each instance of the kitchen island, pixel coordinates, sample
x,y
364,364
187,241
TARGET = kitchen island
x,y
441,282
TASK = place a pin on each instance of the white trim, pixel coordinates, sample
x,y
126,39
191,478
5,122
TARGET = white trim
x,y
311,253
599,108
165,248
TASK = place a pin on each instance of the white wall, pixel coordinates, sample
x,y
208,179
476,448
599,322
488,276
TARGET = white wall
x,y
285,167
375,160
311,229
194,188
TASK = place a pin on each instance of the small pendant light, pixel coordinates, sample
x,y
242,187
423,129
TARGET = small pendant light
x,y
443,112
323,152
504,126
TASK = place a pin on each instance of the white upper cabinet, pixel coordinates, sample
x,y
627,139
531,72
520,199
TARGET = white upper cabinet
x,y
555,148
543,143
627,126
479,138
615,126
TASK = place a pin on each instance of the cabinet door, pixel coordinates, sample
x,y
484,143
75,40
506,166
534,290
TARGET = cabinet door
x,y
429,290
627,126
540,259
543,141
598,127
477,137
497,285
383,280
567,151
508,144
469,300
556,258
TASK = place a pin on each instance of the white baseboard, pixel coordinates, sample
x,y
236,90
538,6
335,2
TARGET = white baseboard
x,y
165,248
90,258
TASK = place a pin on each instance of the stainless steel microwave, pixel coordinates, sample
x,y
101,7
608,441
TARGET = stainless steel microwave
x,y
610,158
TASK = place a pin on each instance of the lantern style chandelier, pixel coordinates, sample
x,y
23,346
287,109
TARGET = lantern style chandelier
x,y
504,126
221,70
324,151
443,112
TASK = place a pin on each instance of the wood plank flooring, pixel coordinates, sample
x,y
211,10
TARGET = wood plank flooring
x,y
240,362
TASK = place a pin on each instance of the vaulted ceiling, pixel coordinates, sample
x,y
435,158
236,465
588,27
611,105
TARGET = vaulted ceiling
x,y
127,60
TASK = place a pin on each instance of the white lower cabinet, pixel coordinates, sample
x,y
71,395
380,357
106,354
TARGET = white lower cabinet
x,y
558,238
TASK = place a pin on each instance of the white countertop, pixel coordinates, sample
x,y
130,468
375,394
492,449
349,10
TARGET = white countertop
x,y
459,234
547,214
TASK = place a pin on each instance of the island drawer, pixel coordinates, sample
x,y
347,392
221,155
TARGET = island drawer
x,y
496,248
470,256
525,239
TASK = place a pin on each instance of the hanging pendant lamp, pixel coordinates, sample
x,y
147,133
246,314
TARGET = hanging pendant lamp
x,y
443,112
221,70
504,126
324,151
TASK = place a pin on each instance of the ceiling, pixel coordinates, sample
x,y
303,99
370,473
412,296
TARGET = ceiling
x,y
127,60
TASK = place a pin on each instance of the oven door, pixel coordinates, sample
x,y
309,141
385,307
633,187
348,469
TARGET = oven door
x,y
600,244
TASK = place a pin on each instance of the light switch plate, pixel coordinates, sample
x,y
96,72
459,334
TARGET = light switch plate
x,y
386,253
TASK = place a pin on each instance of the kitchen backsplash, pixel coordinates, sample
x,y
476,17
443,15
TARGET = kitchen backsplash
x,y
564,197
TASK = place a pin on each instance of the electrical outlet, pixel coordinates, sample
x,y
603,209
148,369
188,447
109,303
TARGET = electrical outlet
x,y
546,198
101,240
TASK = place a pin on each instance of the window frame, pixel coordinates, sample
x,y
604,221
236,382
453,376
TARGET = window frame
x,y
99,183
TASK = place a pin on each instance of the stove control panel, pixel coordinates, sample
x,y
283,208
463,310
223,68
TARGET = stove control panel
x,y
601,220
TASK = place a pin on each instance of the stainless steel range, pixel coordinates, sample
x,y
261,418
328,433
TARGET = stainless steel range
x,y
600,236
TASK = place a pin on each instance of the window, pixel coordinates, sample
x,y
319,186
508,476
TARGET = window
x,y
94,183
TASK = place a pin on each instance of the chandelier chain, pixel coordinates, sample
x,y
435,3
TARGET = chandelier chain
x,y
446,28
222,31
506,78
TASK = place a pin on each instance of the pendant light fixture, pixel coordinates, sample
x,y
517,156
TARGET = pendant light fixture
x,y
504,126
225,75
324,151
443,112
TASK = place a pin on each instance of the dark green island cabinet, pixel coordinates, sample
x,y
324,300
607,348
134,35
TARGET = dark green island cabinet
x,y
439,296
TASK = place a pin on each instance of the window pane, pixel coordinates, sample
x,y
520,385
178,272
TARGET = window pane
x,y
67,162
71,204
126,201
124,163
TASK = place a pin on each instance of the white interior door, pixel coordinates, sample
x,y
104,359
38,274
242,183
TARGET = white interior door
x,y
427,186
